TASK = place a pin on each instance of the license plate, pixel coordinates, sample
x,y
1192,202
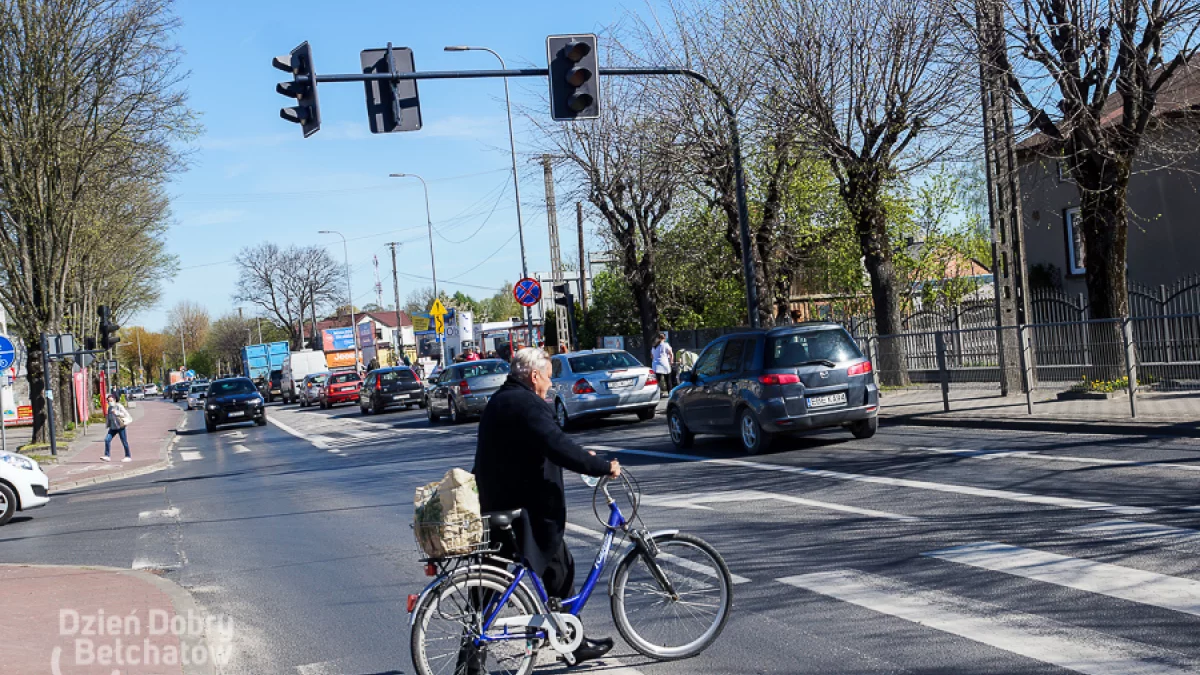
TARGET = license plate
x,y
236,413
825,401
621,384
399,397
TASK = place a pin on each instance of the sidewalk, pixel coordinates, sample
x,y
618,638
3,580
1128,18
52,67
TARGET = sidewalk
x,y
150,435
68,620
1169,413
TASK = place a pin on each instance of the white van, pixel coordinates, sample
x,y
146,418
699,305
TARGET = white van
x,y
295,367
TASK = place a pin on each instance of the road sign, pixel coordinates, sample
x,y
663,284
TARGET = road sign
x,y
527,292
440,323
8,353
438,309
191,374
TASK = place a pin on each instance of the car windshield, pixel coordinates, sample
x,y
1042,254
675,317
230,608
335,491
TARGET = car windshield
x,y
198,389
344,378
402,375
484,368
591,363
232,387
812,347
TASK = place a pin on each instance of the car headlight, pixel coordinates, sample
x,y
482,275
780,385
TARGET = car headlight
x,y
18,461
213,406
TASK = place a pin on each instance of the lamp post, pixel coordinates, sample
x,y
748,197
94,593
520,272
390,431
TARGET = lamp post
x,y
432,264
349,297
512,145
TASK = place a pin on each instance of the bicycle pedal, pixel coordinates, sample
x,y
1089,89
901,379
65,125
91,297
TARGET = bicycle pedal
x,y
568,659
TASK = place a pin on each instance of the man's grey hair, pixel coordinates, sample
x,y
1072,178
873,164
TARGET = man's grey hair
x,y
528,360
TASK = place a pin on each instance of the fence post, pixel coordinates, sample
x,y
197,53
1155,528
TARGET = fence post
x,y
956,325
1130,363
873,355
1026,366
1166,323
939,341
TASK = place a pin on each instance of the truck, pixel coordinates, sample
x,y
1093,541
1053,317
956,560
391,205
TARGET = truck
x,y
259,361
297,366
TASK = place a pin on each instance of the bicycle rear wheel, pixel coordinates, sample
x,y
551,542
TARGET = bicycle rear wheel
x,y
664,626
448,621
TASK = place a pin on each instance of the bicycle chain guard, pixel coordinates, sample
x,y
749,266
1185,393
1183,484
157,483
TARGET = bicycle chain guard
x,y
549,623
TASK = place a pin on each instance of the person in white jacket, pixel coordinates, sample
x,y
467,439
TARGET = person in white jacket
x,y
117,419
663,358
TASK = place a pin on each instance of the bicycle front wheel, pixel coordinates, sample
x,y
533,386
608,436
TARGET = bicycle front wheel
x,y
675,604
447,623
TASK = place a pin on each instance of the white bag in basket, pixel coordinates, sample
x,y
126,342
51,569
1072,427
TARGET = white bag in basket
x,y
446,515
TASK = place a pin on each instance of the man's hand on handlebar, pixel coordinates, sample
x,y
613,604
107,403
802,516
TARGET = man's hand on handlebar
x,y
614,469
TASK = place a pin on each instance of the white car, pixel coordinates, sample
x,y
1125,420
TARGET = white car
x,y
196,395
136,393
23,486
150,389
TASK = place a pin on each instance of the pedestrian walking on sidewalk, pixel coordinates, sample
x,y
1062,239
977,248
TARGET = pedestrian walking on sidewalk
x,y
663,358
117,419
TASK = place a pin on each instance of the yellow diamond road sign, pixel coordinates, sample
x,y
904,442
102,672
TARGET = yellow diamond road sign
x,y
438,309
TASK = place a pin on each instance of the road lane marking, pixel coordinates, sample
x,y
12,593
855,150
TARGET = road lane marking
x,y
992,493
1074,459
190,456
1132,530
1071,647
698,502
161,516
240,449
288,429
688,564
1115,581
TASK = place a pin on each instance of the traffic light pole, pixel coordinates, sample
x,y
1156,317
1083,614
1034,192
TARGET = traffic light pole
x,y
727,109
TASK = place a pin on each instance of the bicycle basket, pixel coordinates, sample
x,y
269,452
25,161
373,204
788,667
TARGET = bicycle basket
x,y
454,538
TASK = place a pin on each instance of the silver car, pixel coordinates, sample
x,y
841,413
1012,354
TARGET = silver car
x,y
196,395
310,389
601,382
463,389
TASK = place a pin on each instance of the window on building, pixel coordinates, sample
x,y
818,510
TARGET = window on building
x,y
1076,255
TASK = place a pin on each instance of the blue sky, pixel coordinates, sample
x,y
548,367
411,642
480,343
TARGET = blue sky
x,y
254,177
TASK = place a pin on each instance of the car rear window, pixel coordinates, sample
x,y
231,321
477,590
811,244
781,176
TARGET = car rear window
x,y
484,368
231,387
317,379
591,363
344,378
403,375
789,351
198,388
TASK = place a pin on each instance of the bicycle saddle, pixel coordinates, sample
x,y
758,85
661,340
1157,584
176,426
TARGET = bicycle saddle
x,y
502,519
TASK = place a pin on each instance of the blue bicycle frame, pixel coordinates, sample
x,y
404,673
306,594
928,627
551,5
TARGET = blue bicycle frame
x,y
574,604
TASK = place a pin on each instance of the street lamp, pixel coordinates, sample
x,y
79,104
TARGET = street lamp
x,y
512,145
349,297
432,265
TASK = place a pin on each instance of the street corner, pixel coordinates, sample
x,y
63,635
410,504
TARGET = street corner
x,y
68,620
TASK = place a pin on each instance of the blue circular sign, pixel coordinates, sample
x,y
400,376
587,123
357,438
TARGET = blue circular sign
x,y
191,373
8,353
527,292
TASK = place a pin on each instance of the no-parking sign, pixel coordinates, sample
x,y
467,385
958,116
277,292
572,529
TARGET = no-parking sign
x,y
527,292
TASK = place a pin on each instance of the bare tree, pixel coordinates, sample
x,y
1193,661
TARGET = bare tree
x,y
1092,78
287,282
878,82
623,165
187,328
89,94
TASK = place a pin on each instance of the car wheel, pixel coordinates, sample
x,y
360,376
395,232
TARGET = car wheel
x,y
455,414
324,404
754,438
560,415
865,428
364,409
209,426
433,417
681,436
646,414
8,503
378,408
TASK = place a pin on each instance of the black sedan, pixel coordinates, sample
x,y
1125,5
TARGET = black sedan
x,y
233,400
390,386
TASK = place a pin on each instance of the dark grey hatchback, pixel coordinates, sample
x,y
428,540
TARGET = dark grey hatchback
x,y
760,384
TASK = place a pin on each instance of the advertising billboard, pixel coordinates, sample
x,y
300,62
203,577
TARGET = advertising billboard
x,y
341,359
337,339
366,334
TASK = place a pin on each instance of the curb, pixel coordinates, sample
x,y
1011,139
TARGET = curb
x,y
1177,429
181,600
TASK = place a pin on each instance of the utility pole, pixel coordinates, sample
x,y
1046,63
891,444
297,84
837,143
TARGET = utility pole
x,y
582,259
141,367
396,288
1008,241
556,270
182,348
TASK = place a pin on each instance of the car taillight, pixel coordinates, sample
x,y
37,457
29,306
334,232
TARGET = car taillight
x,y
583,387
859,368
464,388
378,385
785,378
651,380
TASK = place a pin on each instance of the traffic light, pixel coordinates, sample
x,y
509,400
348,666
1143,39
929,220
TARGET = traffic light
x,y
391,106
89,344
303,88
108,329
574,81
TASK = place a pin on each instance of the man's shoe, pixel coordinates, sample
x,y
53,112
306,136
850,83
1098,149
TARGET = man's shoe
x,y
105,459
127,459
592,649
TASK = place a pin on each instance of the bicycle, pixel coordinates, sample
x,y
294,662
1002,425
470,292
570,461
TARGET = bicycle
x,y
486,614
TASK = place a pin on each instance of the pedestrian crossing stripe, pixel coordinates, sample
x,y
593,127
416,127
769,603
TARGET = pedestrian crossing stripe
x,y
1072,647
188,456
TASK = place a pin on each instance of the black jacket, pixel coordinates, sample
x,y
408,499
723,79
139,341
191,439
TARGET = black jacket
x,y
519,462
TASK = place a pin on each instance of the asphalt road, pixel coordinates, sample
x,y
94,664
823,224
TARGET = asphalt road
x,y
923,550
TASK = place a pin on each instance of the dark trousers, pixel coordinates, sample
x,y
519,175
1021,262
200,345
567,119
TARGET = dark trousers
x,y
109,437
